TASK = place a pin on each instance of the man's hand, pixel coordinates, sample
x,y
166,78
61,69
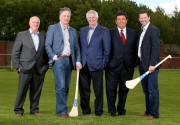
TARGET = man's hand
x,y
56,57
151,69
78,65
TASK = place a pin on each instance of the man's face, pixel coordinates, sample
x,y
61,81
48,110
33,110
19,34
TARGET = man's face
x,y
65,17
144,19
34,24
121,21
92,19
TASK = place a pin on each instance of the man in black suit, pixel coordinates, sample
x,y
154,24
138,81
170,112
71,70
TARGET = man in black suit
x,y
30,60
149,54
121,64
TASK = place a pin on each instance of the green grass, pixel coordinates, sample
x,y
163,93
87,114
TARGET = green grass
x,y
169,86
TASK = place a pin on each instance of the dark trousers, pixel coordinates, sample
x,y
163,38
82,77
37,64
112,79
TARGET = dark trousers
x,y
85,90
33,82
113,80
151,92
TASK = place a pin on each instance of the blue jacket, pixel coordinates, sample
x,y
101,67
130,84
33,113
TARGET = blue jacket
x,y
96,53
54,43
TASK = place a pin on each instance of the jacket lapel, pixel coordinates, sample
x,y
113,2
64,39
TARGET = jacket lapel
x,y
40,41
70,37
127,37
94,35
146,32
85,35
30,40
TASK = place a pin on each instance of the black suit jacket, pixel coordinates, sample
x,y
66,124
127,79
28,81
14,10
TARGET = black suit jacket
x,y
150,48
123,55
24,55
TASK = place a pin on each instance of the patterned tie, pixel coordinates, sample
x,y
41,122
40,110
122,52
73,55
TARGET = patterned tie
x,y
123,39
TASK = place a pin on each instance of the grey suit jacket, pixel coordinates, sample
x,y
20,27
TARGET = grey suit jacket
x,y
55,44
24,55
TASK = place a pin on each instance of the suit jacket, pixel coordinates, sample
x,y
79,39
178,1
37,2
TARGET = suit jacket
x,y
96,53
24,55
55,44
123,55
150,48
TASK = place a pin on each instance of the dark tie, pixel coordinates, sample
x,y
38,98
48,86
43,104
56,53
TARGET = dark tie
x,y
123,39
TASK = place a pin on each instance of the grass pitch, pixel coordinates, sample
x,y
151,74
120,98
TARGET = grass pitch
x,y
169,87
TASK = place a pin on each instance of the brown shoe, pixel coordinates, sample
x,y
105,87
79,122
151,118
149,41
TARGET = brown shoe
x,y
150,117
19,114
64,116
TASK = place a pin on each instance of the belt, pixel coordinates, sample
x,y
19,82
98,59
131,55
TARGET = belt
x,y
66,56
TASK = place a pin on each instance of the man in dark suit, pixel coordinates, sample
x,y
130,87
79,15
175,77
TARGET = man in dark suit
x,y
31,62
149,54
121,64
62,47
95,50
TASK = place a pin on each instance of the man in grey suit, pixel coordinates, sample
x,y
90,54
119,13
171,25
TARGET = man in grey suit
x,y
62,47
31,62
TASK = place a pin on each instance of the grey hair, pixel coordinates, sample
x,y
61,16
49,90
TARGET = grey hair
x,y
92,12
64,9
34,17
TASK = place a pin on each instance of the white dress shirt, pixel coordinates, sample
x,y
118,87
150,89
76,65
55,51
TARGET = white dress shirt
x,y
124,31
144,29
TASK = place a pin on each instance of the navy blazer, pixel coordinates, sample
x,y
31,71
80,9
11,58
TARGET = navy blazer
x,y
150,48
96,53
125,55
54,43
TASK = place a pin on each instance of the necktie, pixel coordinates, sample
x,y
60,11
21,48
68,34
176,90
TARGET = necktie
x,y
123,39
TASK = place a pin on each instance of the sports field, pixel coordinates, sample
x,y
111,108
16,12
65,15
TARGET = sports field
x,y
169,86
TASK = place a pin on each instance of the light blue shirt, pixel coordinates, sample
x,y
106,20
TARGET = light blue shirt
x,y
35,38
90,33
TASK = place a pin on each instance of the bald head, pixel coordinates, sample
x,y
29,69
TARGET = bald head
x,y
34,23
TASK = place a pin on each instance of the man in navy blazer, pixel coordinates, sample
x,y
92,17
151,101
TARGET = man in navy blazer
x,y
62,47
95,49
149,54
121,64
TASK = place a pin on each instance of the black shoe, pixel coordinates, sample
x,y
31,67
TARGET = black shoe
x,y
113,114
99,115
86,113
122,113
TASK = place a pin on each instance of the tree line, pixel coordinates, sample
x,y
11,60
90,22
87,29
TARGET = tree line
x,y
15,14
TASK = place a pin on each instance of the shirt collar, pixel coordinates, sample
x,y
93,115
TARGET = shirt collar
x,y
63,27
124,30
33,33
145,27
93,27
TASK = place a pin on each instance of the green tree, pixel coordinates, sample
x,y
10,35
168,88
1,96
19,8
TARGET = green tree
x,y
106,17
176,24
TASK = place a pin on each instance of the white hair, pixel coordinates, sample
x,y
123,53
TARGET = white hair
x,y
92,12
33,18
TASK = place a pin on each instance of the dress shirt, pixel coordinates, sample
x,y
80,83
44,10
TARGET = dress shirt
x,y
35,38
66,50
124,31
144,29
90,33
